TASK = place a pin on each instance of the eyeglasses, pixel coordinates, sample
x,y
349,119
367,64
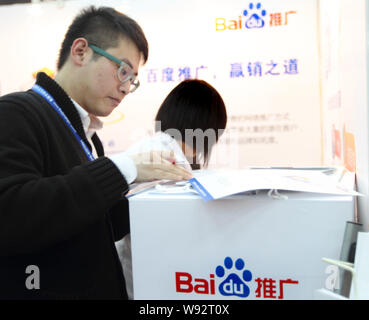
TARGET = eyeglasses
x,y
125,72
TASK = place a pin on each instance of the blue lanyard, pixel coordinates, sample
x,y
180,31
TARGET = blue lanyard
x,y
42,92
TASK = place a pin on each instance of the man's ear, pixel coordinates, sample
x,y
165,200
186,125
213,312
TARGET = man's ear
x,y
79,52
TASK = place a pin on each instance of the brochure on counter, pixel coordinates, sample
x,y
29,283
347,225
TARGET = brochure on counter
x,y
216,184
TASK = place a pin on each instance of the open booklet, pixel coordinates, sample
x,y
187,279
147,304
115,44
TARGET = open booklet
x,y
225,183
211,185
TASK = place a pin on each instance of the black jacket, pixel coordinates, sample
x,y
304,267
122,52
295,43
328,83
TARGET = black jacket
x,y
58,211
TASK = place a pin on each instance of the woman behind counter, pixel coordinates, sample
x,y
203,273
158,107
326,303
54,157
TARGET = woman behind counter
x,y
192,104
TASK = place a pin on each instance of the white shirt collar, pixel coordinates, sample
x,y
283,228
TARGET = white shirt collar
x,y
90,122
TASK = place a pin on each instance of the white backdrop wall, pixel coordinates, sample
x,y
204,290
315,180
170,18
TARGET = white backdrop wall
x,y
262,56
344,70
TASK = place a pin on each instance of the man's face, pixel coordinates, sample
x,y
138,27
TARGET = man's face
x,y
102,91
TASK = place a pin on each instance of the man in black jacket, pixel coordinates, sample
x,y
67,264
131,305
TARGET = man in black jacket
x,y
62,201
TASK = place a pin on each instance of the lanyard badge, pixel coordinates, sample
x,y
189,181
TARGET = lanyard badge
x,y
43,93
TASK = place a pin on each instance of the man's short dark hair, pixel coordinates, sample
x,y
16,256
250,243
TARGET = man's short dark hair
x,y
103,27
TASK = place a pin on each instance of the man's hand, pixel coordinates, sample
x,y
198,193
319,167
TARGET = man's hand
x,y
156,165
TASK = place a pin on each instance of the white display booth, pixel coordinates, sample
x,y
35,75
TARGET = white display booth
x,y
240,247
293,75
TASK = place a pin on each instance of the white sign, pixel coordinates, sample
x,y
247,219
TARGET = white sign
x,y
261,56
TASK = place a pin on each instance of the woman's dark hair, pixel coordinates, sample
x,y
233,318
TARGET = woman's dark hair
x,y
103,27
194,104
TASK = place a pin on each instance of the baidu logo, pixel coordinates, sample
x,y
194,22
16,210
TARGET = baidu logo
x,y
232,279
254,16
235,280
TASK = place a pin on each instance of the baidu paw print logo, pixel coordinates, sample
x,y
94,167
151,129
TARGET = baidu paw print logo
x,y
234,283
254,16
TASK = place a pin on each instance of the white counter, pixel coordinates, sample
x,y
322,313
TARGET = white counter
x,y
179,241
